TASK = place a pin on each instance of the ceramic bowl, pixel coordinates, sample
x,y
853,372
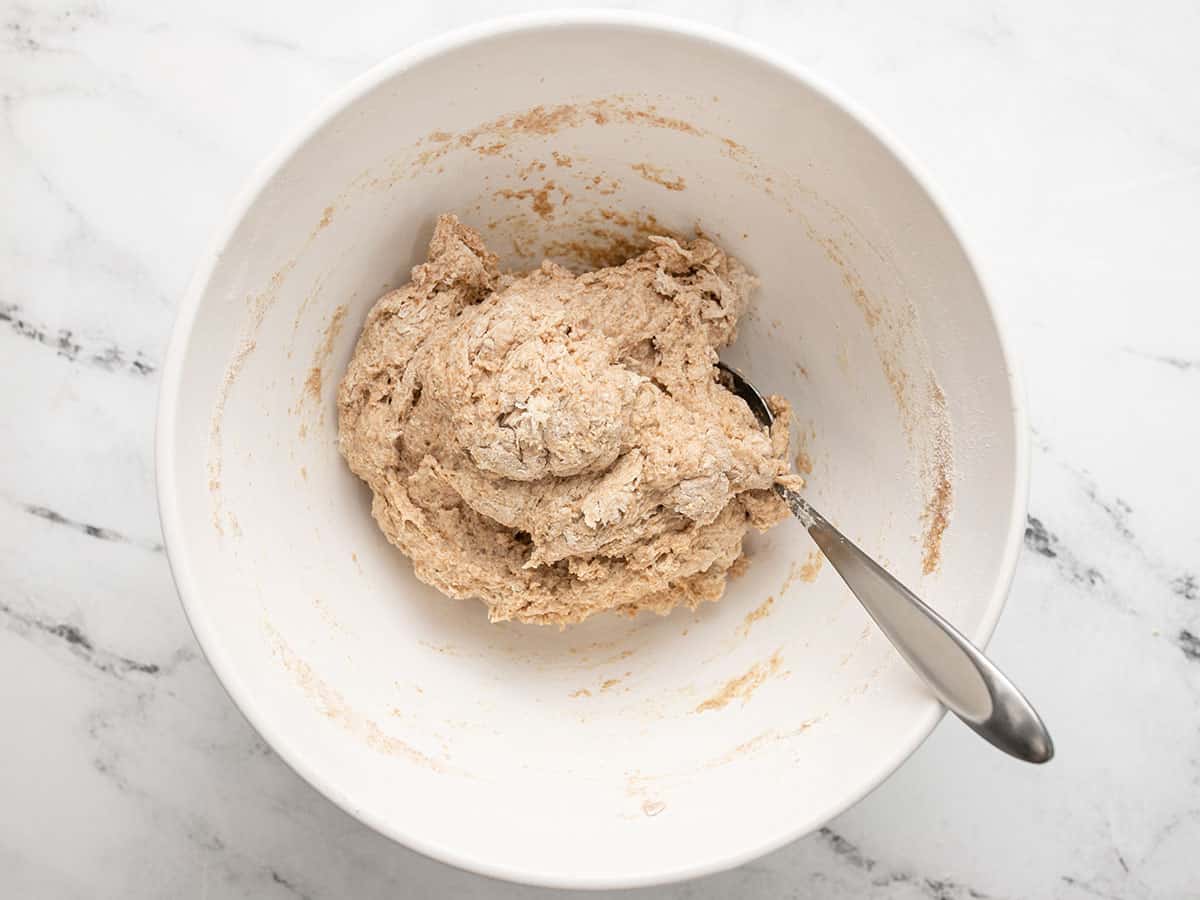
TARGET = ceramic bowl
x,y
622,751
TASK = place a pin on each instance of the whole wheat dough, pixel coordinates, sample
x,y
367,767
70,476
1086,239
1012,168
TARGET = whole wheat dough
x,y
555,444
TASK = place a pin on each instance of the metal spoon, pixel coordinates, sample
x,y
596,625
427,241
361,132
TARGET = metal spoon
x,y
958,673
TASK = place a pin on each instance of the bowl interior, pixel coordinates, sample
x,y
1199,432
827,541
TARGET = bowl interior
x,y
619,751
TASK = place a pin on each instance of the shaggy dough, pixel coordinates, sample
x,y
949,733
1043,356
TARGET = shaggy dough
x,y
556,445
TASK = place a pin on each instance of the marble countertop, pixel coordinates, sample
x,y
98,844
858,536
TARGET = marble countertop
x,y
1064,136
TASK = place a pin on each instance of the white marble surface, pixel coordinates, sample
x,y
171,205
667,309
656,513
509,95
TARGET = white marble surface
x,y
1066,138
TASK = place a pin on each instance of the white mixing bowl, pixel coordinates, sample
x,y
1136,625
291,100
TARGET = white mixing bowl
x,y
620,752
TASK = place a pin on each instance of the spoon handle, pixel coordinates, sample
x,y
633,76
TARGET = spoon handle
x,y
959,674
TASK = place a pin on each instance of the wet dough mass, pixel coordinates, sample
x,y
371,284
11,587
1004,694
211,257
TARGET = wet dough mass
x,y
556,444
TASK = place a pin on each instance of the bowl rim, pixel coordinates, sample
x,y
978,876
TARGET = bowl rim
x,y
172,372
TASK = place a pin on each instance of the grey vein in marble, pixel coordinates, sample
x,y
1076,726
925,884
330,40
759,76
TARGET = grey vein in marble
x,y
1189,644
93,531
1175,362
70,346
1044,543
933,888
1187,587
74,639
288,886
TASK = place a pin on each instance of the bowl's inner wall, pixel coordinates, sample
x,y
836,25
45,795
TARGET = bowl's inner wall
x,y
667,742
